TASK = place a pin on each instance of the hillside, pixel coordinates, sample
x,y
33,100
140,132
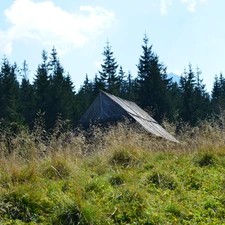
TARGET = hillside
x,y
119,176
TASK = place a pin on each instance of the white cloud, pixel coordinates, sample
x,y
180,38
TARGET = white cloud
x,y
49,24
191,4
163,6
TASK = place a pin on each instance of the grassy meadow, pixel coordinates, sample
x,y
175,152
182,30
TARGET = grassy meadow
x,y
117,175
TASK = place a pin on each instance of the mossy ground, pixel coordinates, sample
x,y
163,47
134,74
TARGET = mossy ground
x,y
126,178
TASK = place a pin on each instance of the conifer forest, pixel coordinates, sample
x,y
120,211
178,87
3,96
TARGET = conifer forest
x,y
52,95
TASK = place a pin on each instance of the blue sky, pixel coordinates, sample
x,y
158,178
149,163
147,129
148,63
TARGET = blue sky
x,y
181,31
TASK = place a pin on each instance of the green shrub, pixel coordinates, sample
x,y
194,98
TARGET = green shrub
x,y
70,216
122,158
24,175
130,208
117,180
96,184
207,159
193,183
162,180
149,166
57,169
93,186
20,206
192,179
174,209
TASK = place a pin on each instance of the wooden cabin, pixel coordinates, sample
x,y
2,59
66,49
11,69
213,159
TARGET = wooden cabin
x,y
107,107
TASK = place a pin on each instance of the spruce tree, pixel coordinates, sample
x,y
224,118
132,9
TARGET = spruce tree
x,y
152,84
62,94
218,94
42,89
122,83
127,85
176,100
85,96
27,101
9,99
69,101
202,98
98,84
108,75
195,101
131,87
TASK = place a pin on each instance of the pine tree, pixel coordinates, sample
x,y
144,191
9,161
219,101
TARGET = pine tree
x,y
62,94
122,83
131,87
127,85
216,91
27,101
42,89
85,96
9,99
176,100
98,84
108,75
195,101
202,98
69,101
187,84
218,94
152,84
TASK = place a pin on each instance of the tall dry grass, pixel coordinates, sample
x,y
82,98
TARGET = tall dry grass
x,y
37,145
70,166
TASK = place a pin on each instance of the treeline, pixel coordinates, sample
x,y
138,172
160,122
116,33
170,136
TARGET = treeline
x,y
52,94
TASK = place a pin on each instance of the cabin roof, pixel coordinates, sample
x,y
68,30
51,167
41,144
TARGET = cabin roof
x,y
107,106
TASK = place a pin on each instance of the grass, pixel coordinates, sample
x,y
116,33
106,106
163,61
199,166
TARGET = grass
x,y
120,176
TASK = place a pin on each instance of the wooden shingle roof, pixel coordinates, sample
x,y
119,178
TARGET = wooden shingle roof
x,y
107,106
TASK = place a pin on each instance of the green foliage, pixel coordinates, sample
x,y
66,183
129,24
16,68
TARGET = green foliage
x,y
130,208
195,101
42,87
125,185
25,175
153,85
96,185
207,159
49,175
26,98
117,180
108,75
162,180
21,206
218,94
69,216
9,93
193,182
57,169
53,92
174,209
124,158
